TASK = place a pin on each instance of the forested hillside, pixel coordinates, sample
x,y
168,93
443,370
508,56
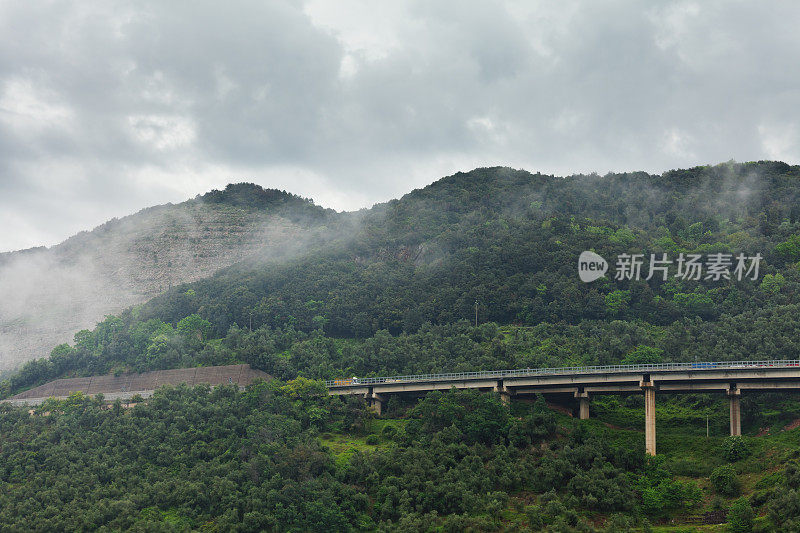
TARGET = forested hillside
x,y
46,295
389,293
394,290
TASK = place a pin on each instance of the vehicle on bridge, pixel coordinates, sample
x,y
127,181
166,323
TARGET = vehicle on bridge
x,y
345,382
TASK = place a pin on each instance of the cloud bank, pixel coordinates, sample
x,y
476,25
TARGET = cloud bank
x,y
107,107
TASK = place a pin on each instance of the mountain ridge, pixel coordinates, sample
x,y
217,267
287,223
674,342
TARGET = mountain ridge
x,y
50,293
502,236
508,240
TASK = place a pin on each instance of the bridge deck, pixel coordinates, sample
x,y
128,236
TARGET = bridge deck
x,y
728,377
580,376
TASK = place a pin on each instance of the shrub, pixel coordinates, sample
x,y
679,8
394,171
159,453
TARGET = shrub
x,y
620,523
724,481
735,448
372,440
760,497
535,517
740,516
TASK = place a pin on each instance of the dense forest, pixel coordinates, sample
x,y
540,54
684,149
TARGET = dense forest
x,y
394,290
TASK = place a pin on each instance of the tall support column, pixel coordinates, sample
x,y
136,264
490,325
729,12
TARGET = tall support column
x,y
583,410
649,417
736,413
376,406
375,402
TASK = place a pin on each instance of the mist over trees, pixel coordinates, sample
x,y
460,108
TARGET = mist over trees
x,y
46,295
391,294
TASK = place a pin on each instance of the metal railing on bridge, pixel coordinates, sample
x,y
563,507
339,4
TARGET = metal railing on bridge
x,y
567,370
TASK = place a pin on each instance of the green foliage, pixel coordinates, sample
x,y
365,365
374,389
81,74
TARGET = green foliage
x,y
789,250
254,196
783,500
687,467
698,304
195,328
185,458
623,236
735,449
772,283
660,494
389,431
643,355
468,416
253,460
617,302
740,516
304,388
725,481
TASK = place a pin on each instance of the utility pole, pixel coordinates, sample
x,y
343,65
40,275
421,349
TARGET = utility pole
x,y
476,313
706,426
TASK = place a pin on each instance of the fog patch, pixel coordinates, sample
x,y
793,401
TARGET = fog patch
x,y
46,295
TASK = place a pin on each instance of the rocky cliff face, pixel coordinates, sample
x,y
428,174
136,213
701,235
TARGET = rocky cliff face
x,y
46,295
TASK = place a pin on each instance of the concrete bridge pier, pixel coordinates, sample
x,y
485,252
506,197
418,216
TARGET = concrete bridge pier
x,y
571,384
375,403
734,395
583,410
649,417
505,394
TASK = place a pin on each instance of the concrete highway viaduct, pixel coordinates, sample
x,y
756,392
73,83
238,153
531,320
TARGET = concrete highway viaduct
x,y
731,378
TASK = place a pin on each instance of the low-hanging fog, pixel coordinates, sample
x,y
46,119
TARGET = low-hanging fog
x,y
46,295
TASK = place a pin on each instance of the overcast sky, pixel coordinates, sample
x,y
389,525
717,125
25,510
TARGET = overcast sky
x,y
107,107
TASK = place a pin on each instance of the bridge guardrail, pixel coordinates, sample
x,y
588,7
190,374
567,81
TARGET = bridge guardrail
x,y
568,370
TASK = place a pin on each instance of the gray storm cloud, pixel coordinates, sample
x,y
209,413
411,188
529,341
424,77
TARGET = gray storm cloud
x,y
106,107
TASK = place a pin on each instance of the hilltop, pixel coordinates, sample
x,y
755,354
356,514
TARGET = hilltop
x,y
508,240
47,295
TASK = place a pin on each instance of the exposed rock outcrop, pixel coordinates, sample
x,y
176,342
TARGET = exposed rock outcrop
x,y
46,295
